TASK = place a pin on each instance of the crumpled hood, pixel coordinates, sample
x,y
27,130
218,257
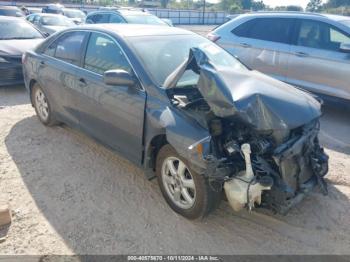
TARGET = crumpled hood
x,y
18,47
257,99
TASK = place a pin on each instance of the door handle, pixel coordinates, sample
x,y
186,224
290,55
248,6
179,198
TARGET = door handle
x,y
82,82
245,45
301,54
42,63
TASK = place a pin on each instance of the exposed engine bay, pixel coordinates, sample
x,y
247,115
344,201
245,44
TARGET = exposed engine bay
x,y
260,153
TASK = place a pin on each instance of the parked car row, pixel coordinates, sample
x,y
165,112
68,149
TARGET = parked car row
x,y
15,32
184,108
16,37
50,23
103,15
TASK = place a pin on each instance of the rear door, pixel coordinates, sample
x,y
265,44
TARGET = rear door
x,y
57,72
263,44
316,63
113,115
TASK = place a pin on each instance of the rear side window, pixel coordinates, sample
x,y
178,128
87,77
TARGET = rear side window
x,y
67,47
320,35
99,18
116,19
104,54
244,29
268,29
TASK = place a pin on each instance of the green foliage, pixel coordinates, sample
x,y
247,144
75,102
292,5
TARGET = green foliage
x,y
289,8
164,3
246,4
343,10
237,6
258,5
314,6
294,8
337,3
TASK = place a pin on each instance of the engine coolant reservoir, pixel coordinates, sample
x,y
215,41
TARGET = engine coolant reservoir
x,y
245,189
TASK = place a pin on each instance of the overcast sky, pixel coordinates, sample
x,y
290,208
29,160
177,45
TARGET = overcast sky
x,y
274,3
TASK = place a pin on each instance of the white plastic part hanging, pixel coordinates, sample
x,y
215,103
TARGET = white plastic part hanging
x,y
243,190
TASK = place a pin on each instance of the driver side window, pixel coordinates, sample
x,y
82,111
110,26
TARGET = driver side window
x,y
104,54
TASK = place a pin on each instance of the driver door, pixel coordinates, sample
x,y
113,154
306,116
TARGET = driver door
x,y
113,115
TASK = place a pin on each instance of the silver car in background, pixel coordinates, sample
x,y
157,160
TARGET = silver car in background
x,y
50,23
311,51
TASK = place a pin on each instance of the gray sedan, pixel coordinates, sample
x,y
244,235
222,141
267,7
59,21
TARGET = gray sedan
x,y
184,110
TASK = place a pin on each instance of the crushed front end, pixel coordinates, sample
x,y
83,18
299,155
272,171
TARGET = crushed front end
x,y
262,148
283,173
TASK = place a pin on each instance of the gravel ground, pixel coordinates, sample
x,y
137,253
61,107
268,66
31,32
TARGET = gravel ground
x,y
70,195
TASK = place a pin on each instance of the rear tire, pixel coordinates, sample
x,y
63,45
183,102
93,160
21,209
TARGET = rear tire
x,y
185,191
42,106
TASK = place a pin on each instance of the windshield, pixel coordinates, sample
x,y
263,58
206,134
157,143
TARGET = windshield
x,y
56,21
18,30
168,52
346,22
11,12
74,13
144,19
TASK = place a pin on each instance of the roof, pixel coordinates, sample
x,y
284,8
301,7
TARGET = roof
x,y
9,7
337,17
121,11
11,19
47,14
129,30
298,14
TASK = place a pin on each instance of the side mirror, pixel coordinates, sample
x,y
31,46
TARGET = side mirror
x,y
118,77
344,48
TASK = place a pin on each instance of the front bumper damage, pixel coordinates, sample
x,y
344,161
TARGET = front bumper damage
x,y
285,176
262,147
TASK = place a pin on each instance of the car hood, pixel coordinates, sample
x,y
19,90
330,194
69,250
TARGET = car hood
x,y
18,47
257,99
53,28
77,20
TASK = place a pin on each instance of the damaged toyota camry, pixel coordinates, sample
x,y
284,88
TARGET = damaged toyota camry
x,y
186,111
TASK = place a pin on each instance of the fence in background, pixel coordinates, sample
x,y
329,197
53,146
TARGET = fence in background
x,y
190,16
177,16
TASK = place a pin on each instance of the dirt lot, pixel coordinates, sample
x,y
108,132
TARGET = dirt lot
x,y
70,195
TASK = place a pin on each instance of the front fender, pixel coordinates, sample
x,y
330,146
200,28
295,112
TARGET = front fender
x,y
182,132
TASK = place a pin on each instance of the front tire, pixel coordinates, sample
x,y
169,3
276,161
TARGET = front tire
x,y
42,106
185,191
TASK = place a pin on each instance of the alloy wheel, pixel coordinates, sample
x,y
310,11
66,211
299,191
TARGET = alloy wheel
x,y
178,182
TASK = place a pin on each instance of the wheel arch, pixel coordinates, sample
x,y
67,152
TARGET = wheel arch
x,y
32,82
152,150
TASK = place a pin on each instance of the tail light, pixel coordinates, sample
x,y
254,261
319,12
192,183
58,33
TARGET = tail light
x,y
213,37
